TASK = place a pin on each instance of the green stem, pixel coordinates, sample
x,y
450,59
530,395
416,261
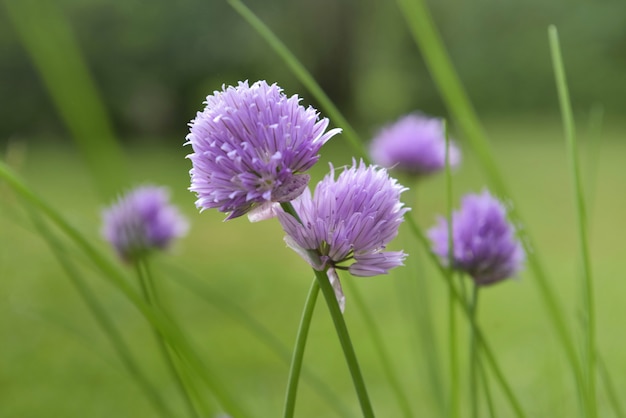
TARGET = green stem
x,y
150,295
374,334
298,354
346,343
485,381
200,288
588,291
454,366
473,378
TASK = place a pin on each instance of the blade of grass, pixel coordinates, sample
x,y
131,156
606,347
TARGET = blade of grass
x,y
440,67
102,318
302,75
111,272
452,340
151,297
572,148
48,39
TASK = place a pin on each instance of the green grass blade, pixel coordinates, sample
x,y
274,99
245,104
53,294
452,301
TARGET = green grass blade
x,y
588,290
302,75
111,272
47,37
151,297
429,41
455,394
102,318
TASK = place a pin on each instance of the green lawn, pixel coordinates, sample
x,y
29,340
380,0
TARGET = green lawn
x,y
55,361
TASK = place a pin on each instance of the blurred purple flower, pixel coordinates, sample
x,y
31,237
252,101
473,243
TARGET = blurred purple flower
x,y
415,144
484,242
141,221
252,145
348,220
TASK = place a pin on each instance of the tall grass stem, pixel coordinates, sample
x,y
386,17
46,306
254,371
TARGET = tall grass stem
x,y
111,272
150,295
588,289
106,324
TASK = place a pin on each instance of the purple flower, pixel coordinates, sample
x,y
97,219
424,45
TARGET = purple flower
x,y
415,144
252,145
348,222
140,221
484,242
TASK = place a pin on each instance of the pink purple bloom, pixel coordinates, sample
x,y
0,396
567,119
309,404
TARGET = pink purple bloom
x,y
141,221
484,242
252,146
415,144
348,222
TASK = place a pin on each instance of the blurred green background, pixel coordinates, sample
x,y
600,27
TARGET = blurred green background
x,y
153,63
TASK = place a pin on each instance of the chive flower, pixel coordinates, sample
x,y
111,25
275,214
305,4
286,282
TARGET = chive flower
x,y
141,221
414,144
347,223
484,241
252,146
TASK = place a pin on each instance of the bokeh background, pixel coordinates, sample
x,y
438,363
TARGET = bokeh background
x,y
151,64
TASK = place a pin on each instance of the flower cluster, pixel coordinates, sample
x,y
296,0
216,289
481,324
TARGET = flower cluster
x,y
414,144
350,219
484,242
141,221
252,146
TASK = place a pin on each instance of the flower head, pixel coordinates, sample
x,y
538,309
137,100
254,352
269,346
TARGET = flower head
x,y
415,144
142,220
252,145
484,241
350,219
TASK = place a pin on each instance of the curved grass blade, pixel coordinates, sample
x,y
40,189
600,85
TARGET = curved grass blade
x,y
301,74
48,39
581,211
102,318
111,272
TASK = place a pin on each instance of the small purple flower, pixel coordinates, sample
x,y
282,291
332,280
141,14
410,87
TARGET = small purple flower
x,y
141,221
485,245
348,222
252,145
415,144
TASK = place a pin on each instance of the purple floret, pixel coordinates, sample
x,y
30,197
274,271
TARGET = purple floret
x,y
252,146
141,221
415,144
348,220
484,242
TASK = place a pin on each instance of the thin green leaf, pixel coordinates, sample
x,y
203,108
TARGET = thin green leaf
x,y
588,290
